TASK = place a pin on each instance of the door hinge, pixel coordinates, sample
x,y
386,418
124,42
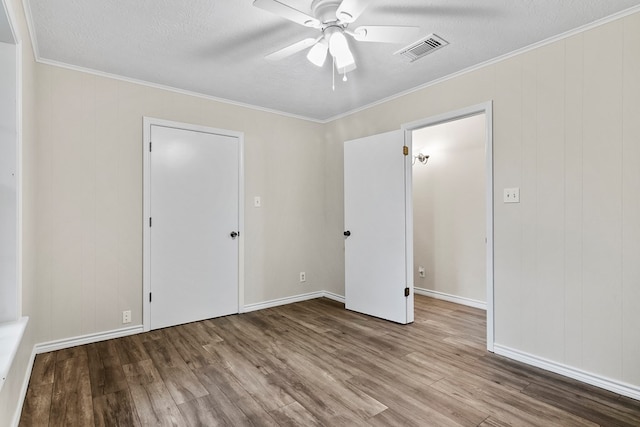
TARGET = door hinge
x,y
149,146
149,221
406,292
149,296
405,150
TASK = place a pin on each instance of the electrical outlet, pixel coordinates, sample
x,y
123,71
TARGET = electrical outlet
x,y
303,276
126,316
421,271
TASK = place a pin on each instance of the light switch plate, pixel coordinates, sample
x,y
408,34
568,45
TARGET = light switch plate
x,y
257,202
511,195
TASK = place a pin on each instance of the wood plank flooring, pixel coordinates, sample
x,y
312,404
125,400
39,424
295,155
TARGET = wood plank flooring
x,y
311,364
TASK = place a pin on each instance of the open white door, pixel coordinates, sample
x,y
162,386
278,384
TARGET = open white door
x,y
378,251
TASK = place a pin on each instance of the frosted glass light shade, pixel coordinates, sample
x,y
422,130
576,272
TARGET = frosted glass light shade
x,y
338,45
339,48
318,53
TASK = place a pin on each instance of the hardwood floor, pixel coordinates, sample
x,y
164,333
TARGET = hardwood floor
x,y
313,364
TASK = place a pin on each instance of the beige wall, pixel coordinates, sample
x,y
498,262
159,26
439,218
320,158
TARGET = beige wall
x,y
90,198
566,131
449,204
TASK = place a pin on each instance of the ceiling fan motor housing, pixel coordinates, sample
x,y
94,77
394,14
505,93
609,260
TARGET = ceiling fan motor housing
x,y
325,10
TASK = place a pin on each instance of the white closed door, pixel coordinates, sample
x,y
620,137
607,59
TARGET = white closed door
x,y
377,232
194,205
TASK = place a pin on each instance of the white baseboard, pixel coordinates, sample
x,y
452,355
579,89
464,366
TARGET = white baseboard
x,y
117,333
568,371
290,300
333,296
281,301
451,298
86,339
586,377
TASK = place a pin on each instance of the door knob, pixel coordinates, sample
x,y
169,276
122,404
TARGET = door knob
x,y
234,234
347,233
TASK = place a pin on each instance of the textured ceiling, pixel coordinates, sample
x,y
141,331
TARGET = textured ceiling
x,y
217,47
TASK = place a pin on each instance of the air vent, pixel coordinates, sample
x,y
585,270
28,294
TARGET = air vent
x,y
422,47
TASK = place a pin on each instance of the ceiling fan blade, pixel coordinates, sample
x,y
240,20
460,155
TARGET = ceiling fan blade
x,y
385,34
287,12
350,10
290,50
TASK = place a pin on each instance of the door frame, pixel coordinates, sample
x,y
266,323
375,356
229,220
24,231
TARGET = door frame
x,y
146,209
483,108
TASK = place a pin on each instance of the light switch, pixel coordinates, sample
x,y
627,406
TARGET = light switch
x,y
257,202
511,195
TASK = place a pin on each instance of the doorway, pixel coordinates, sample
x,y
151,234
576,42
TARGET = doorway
x,y
449,211
192,218
486,111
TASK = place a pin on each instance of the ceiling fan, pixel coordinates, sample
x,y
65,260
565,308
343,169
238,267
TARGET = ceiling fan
x,y
332,18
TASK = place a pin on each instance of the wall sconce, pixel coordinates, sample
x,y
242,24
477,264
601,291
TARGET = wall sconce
x,y
422,158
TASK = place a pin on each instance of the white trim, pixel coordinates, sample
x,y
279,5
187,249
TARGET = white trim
x,y
485,108
615,386
451,298
332,296
586,377
31,28
586,27
241,229
292,299
48,346
408,225
146,244
174,89
36,53
19,177
490,266
23,390
490,62
282,301
146,209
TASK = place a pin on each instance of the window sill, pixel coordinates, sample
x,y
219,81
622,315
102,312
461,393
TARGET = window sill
x,y
10,337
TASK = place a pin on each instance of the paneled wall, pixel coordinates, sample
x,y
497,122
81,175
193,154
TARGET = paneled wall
x,y
566,131
89,203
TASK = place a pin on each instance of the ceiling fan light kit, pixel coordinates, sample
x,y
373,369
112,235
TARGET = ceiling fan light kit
x,y
333,17
318,53
339,49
